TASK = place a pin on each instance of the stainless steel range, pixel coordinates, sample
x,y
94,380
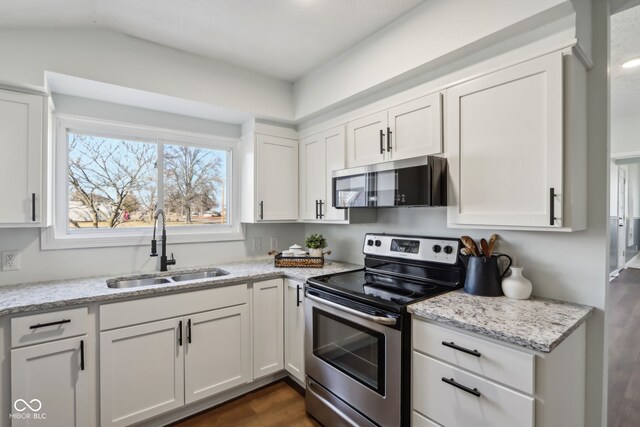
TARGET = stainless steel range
x,y
358,331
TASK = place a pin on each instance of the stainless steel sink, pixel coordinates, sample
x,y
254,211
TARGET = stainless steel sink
x,y
139,282
215,272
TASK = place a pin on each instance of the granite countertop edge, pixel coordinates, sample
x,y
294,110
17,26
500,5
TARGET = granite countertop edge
x,y
95,289
515,339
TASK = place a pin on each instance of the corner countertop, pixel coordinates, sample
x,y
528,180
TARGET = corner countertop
x,y
538,324
37,296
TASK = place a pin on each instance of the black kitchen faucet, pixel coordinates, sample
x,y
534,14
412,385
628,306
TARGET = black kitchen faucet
x,y
164,262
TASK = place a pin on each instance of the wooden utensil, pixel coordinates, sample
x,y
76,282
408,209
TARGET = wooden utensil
x,y
470,244
492,243
485,247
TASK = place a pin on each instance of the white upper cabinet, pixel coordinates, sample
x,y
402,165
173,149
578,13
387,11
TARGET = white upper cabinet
x,y
22,165
505,147
416,128
320,155
277,178
407,130
269,175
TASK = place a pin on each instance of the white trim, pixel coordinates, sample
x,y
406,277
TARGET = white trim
x,y
58,237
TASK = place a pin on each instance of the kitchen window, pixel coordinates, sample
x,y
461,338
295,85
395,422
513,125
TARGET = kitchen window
x,y
111,178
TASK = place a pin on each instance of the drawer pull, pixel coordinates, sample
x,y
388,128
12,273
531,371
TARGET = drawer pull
x,y
452,382
452,345
180,333
42,325
82,355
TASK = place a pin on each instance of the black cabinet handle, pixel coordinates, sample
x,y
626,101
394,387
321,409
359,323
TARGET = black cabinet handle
x,y
320,214
452,382
82,355
316,209
298,302
33,207
462,349
552,207
42,325
388,139
261,210
381,142
180,333
189,331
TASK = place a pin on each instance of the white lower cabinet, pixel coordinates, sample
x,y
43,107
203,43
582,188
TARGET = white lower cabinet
x,y
461,379
50,384
150,368
141,372
294,328
268,327
218,353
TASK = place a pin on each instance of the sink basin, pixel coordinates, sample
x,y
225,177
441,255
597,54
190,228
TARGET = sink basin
x,y
216,272
139,282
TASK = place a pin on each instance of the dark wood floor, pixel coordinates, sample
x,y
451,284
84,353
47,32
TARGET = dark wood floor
x,y
276,405
624,350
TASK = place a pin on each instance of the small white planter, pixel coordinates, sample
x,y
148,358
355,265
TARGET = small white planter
x,y
317,253
516,286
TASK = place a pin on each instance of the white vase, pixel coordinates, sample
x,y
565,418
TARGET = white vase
x,y
315,253
516,286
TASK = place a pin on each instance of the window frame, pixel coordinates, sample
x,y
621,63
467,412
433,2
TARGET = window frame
x,y
57,235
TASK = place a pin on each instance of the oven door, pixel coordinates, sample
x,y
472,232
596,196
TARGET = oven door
x,y
354,352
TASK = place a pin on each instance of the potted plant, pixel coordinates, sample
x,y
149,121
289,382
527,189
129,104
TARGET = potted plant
x,y
316,243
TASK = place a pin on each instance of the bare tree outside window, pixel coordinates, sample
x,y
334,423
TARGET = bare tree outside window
x,y
109,180
195,185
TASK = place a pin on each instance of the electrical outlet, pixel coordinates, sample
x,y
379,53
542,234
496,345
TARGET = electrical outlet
x,y
275,243
257,244
10,260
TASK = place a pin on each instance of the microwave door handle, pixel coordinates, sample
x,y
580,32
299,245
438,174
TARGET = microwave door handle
x,y
387,321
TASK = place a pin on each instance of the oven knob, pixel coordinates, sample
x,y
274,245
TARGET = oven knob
x,y
378,243
436,248
448,249
369,242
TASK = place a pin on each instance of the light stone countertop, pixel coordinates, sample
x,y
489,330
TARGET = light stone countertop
x,y
37,296
538,324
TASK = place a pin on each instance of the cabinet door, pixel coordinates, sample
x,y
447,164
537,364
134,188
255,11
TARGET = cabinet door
x,y
504,136
312,175
267,327
277,178
53,381
218,351
141,371
366,140
416,128
335,147
294,328
21,145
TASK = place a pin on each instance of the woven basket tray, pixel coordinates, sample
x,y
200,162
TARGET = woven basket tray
x,y
297,262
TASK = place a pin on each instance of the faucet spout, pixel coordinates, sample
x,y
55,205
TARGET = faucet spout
x,y
164,262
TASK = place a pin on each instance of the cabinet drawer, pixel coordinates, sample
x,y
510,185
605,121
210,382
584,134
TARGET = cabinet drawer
x,y
499,363
451,406
151,309
37,328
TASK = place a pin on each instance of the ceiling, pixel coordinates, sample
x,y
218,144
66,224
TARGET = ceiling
x,y
625,45
280,38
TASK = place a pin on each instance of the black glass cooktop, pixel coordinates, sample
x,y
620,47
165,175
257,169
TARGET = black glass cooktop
x,y
383,290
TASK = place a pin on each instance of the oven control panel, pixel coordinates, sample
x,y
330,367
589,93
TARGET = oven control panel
x,y
431,249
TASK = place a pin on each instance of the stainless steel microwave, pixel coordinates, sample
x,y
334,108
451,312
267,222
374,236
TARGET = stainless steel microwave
x,y
419,181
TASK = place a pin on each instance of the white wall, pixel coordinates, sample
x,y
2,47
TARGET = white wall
x,y
625,135
113,58
429,33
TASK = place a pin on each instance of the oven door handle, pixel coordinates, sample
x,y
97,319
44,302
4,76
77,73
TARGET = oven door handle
x,y
381,320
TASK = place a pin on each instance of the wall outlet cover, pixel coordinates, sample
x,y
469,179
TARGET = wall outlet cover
x,y
257,244
10,260
275,243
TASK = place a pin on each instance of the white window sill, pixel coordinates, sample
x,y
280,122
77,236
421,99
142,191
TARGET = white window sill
x,y
50,240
